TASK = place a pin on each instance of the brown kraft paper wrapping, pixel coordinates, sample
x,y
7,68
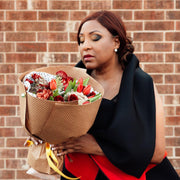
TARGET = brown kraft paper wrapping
x,y
55,122
37,159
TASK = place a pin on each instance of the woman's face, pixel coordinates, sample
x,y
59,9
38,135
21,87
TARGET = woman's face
x,y
96,45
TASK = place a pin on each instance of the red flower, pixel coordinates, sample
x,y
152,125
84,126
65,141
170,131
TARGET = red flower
x,y
39,90
30,81
72,97
62,74
89,97
86,102
53,84
59,98
80,81
87,90
64,81
70,79
92,93
65,86
35,76
80,88
45,94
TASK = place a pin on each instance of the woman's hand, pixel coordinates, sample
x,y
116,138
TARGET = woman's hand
x,y
83,144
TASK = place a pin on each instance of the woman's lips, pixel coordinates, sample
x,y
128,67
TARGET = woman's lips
x,y
87,57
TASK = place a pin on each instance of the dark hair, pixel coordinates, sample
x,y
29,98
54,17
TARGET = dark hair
x,y
115,26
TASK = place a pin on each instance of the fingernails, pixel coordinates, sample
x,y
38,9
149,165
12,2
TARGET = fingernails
x,y
36,143
41,142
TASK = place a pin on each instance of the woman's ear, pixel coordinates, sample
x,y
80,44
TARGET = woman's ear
x,y
117,42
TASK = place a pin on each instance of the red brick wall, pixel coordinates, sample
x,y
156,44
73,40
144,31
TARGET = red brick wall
x,y
36,33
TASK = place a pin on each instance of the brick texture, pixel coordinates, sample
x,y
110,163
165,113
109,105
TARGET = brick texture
x,y
159,4
148,15
22,15
69,5
40,33
6,5
31,26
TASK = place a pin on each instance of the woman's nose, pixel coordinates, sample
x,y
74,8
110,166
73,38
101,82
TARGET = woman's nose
x,y
87,45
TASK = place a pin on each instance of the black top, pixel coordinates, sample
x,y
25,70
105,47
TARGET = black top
x,y
125,128
105,113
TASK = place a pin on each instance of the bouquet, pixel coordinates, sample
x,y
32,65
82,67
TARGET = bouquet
x,y
58,102
60,87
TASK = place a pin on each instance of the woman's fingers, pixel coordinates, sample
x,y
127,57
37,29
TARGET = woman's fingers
x,y
26,143
56,147
35,141
84,144
72,143
65,152
68,147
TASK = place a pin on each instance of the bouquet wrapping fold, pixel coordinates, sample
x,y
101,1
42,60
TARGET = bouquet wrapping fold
x,y
55,122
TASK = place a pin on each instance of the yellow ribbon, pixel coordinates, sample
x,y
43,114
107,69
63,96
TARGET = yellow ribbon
x,y
28,143
50,156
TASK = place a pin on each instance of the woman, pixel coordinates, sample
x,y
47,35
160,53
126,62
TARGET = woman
x,y
127,138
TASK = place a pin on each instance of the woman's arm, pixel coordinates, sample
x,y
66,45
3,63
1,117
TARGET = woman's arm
x,y
160,135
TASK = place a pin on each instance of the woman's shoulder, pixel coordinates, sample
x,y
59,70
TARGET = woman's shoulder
x,y
142,80
139,73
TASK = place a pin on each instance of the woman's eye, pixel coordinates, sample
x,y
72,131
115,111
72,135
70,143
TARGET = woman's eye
x,y
81,39
96,37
